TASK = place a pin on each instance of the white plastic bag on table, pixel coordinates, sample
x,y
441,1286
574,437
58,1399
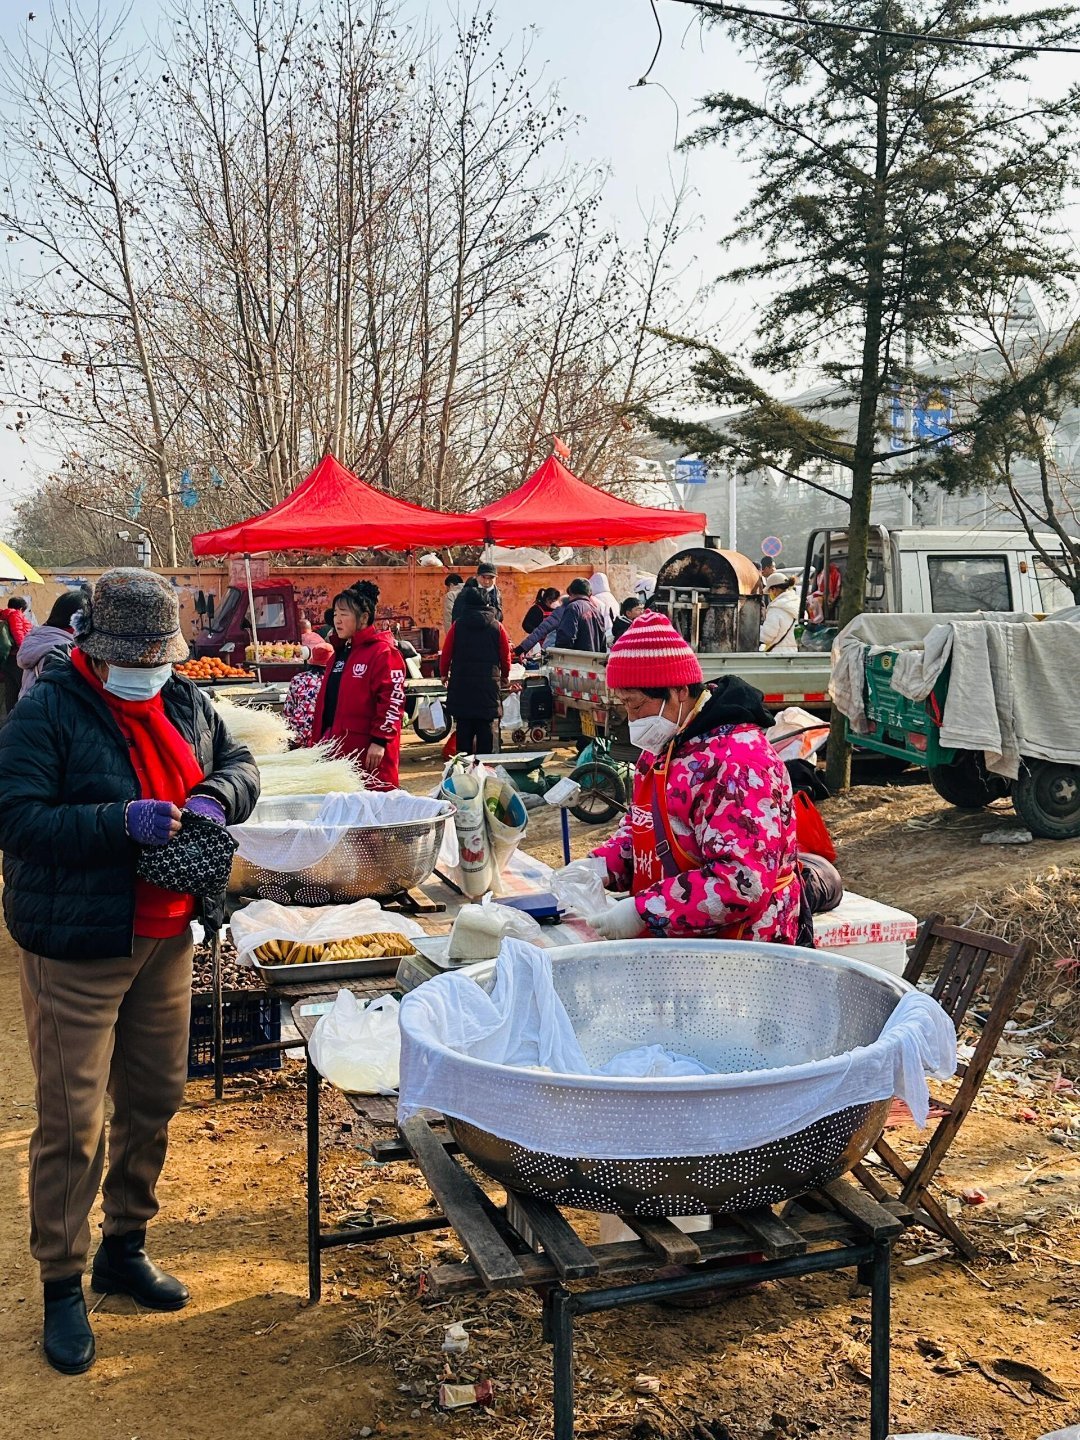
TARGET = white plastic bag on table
x,y
474,864
253,925
357,1048
479,930
504,836
510,719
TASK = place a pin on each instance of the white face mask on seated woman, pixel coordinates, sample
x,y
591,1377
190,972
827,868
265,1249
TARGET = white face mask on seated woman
x,y
136,682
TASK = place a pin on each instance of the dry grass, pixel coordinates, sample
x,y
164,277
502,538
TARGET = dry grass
x,y
1044,908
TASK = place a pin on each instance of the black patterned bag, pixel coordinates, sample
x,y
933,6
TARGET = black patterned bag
x,y
196,861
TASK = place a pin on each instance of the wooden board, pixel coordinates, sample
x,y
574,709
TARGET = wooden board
x,y
858,1206
665,1239
539,1222
465,1206
775,1237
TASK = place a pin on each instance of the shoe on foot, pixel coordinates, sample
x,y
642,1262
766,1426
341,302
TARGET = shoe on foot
x,y
68,1340
122,1267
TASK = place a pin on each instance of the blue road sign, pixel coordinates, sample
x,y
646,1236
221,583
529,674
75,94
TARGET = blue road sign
x,y
691,472
771,546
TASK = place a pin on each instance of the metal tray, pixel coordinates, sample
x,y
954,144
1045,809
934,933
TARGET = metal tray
x,y
327,970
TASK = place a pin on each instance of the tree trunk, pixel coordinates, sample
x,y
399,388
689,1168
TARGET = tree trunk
x,y
853,594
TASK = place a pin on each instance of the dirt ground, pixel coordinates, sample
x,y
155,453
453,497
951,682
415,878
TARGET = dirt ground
x,y
249,1358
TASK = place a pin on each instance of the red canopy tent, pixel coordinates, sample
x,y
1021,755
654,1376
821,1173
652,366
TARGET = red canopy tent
x,y
333,509
554,507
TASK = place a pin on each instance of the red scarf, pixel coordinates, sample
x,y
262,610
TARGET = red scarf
x,y
166,768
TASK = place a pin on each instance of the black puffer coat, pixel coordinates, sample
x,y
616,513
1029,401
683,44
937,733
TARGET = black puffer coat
x,y
65,779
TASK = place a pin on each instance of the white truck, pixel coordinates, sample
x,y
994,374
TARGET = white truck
x,y
910,571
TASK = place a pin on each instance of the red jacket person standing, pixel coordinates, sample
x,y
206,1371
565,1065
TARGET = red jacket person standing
x,y
362,701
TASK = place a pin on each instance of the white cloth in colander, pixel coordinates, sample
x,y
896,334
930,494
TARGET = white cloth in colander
x,y
509,1062
290,833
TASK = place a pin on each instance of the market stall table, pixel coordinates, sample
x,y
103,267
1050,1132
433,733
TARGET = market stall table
x,y
530,1243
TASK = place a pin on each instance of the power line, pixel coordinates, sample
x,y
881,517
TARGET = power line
x,y
717,7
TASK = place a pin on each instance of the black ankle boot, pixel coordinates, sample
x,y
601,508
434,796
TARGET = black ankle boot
x,y
68,1340
122,1267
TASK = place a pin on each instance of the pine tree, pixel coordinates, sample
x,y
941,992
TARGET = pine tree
x,y
898,179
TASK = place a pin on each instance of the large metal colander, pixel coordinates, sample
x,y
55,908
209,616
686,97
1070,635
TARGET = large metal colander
x,y
740,1009
370,860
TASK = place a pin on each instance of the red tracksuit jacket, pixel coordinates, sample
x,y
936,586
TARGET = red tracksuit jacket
x,y
370,703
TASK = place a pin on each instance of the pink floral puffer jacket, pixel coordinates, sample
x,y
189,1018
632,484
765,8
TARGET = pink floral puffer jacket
x,y
730,808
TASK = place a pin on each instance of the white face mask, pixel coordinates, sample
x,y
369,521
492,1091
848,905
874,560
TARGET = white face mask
x,y
128,683
654,733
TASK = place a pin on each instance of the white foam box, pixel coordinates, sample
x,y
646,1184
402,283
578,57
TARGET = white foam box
x,y
867,930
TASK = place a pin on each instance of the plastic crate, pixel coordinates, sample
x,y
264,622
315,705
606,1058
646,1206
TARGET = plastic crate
x,y
248,1018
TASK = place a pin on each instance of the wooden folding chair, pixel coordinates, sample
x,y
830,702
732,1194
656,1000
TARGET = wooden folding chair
x,y
973,964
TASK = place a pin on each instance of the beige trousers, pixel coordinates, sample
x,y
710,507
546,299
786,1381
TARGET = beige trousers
x,y
95,1027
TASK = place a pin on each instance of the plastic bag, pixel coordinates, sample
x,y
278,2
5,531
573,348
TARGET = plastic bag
x,y
510,719
479,930
253,925
506,819
431,715
358,1048
474,864
579,887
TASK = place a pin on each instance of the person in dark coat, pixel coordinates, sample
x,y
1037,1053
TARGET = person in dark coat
x,y
487,577
629,610
580,624
541,608
95,764
475,661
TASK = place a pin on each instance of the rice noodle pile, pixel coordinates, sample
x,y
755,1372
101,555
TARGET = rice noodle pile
x,y
264,732
315,771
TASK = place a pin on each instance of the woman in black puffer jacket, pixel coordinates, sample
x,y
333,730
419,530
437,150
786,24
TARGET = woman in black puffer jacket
x,y
95,764
476,662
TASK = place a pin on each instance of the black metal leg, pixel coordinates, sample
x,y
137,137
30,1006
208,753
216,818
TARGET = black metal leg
x,y
879,1342
218,1016
561,1320
314,1198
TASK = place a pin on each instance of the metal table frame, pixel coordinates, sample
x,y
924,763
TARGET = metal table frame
x,y
545,1253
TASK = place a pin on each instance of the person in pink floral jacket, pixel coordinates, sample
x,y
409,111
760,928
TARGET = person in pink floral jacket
x,y
708,848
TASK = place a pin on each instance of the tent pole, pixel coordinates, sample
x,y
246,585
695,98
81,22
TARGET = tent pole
x,y
251,614
412,586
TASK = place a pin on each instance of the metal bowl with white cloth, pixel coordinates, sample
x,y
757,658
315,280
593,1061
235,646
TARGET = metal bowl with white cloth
x,y
333,849
799,1055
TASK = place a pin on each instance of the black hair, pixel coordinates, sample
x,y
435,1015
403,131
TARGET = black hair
x,y
453,580
16,603
361,598
663,692
579,587
548,595
472,583
630,603
64,610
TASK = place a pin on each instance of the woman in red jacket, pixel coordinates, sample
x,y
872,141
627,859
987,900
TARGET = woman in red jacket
x,y
362,700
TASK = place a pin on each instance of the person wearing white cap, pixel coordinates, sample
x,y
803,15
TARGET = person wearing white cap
x,y
778,625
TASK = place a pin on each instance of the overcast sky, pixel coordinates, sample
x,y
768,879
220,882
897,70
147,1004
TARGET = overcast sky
x,y
596,50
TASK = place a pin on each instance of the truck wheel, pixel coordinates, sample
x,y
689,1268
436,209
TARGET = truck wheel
x,y
967,783
431,736
603,794
1047,799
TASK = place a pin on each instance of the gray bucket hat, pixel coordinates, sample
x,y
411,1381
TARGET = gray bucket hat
x,y
134,620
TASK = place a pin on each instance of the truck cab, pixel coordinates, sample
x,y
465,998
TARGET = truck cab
x,y
938,571
277,619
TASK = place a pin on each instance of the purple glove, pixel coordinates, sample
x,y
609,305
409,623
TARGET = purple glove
x,y
149,822
207,807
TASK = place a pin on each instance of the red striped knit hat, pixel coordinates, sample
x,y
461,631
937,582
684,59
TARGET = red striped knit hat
x,y
651,652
